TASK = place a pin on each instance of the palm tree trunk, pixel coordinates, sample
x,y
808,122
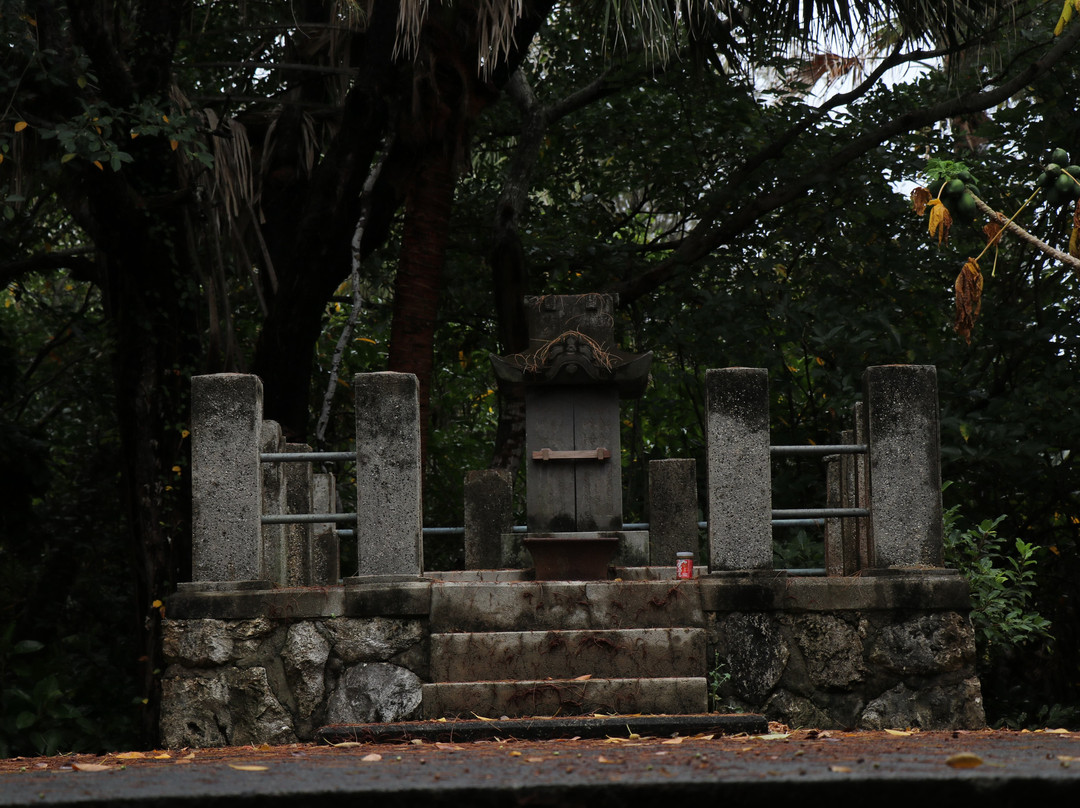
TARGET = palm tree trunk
x,y
419,276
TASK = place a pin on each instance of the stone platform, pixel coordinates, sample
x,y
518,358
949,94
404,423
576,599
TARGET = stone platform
x,y
893,649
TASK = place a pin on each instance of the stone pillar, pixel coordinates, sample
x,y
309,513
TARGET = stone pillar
x,y
325,558
673,510
739,472
905,465
834,539
849,497
864,549
297,534
226,419
488,517
389,525
273,502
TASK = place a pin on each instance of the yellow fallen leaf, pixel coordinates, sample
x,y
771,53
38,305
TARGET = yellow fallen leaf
x,y
163,756
1058,731
417,741
346,744
674,741
964,760
774,736
130,756
603,759
840,769
440,720
374,757
189,757
584,678
1068,759
91,767
482,718
248,767
534,760
897,732
515,754
449,746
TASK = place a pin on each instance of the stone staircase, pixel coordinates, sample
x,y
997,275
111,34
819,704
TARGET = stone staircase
x,y
534,648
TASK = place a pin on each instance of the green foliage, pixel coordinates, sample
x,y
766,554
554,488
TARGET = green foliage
x,y
717,680
1001,576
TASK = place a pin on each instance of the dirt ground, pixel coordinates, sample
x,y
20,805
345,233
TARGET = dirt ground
x,y
779,751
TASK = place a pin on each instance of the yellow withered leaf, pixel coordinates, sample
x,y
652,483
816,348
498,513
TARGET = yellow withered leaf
x,y
969,287
940,221
964,760
919,198
993,231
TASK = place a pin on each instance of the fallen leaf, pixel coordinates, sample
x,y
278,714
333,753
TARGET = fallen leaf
x,y
372,758
1068,759
773,736
20,125
534,760
583,678
603,759
130,756
163,756
417,741
189,757
91,767
248,767
964,760
897,732
346,744
672,741
482,718
840,769
450,746
515,754
263,747
1058,731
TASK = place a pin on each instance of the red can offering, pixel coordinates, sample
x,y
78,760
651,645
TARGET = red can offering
x,y
684,566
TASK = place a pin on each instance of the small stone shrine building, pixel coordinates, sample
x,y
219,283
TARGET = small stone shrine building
x,y
268,643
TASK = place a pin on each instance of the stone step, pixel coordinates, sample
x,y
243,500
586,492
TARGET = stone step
x,y
626,653
568,605
549,697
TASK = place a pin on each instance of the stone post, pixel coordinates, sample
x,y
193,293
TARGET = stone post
x,y
226,420
673,510
273,502
739,472
297,534
905,465
389,525
488,517
325,558
834,538
864,550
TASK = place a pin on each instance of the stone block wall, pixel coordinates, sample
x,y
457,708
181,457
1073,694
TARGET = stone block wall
x,y
890,651
265,680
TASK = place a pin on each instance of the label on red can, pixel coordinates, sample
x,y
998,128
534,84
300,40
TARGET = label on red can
x,y
684,565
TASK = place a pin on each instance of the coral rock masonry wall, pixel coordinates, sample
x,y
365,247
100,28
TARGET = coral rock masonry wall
x,y
887,651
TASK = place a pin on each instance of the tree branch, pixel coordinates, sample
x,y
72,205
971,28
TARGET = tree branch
x,y
709,234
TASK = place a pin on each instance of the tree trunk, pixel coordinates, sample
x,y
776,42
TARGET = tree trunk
x,y
419,276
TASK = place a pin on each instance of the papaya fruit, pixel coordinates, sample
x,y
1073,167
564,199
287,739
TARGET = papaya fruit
x,y
1059,156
